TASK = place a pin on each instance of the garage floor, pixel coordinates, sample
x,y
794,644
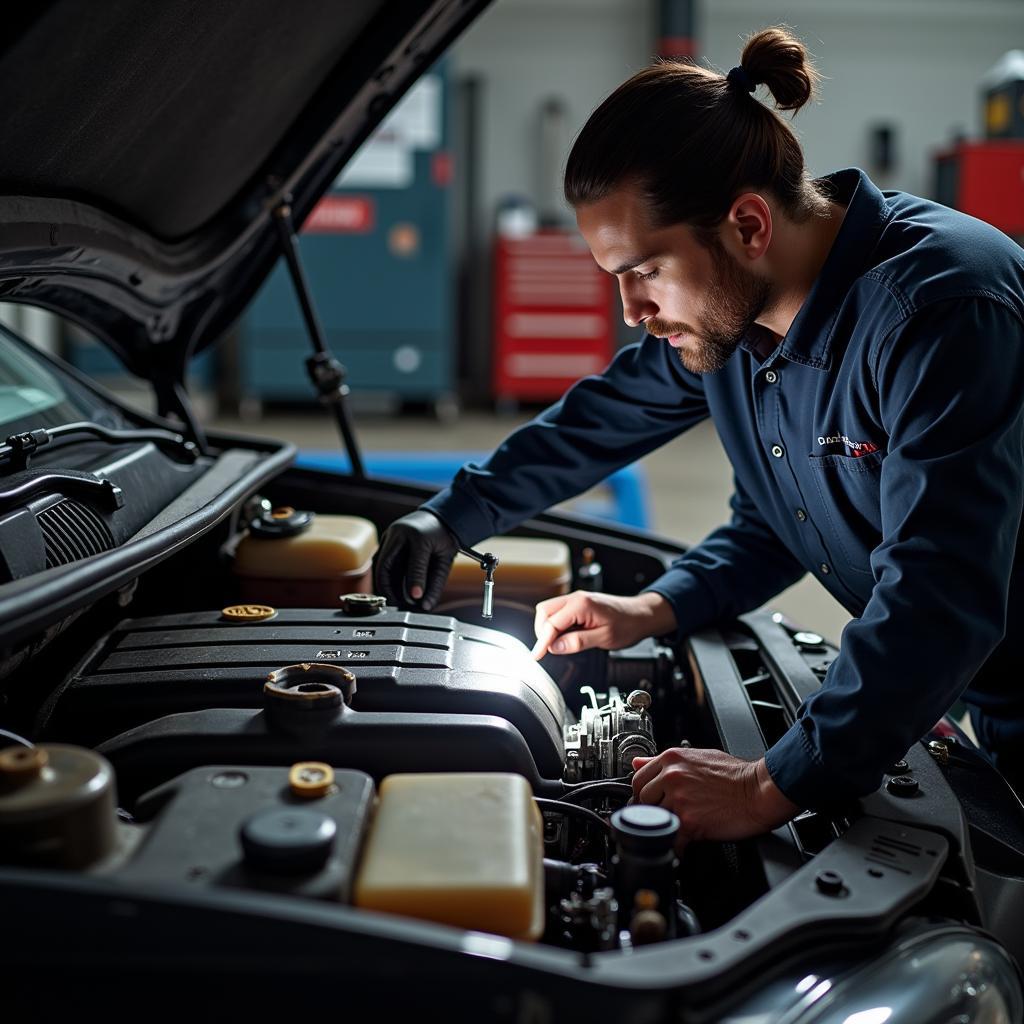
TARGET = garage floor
x,y
689,481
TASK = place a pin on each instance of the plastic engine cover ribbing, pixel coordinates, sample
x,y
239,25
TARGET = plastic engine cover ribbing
x,y
403,662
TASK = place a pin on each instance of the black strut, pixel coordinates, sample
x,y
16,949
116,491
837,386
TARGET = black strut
x,y
326,373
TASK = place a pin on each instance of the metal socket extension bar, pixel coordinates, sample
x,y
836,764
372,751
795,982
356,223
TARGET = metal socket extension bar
x,y
488,562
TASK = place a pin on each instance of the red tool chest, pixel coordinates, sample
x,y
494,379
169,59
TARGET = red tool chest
x,y
986,180
552,315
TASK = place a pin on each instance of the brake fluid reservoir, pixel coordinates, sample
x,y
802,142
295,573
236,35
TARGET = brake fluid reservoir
x,y
56,806
459,849
530,570
296,559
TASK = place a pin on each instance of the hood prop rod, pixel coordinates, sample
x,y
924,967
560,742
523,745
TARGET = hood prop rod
x,y
325,372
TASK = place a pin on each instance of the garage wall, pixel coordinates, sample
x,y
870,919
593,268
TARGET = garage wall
x,y
914,64
525,51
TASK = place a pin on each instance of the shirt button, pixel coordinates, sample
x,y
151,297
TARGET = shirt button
x,y
801,515
777,451
825,570
771,376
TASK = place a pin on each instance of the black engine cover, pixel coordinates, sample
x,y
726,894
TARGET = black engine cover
x,y
403,662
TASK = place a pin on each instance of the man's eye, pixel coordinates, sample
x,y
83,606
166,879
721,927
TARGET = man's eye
x,y
646,277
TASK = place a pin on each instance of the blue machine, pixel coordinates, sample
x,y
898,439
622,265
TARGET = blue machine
x,y
377,252
622,497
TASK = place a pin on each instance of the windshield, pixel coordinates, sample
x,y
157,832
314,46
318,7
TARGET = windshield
x,y
33,394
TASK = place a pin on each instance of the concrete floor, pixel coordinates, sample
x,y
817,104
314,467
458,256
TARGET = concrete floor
x,y
689,481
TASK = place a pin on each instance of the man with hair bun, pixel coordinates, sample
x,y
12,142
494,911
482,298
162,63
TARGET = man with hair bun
x,y
862,356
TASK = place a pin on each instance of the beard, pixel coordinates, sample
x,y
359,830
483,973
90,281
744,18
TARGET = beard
x,y
736,299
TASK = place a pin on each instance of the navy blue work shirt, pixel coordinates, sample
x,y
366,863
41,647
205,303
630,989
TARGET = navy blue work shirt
x,y
879,446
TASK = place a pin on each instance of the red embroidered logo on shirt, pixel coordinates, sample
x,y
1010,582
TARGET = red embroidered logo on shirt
x,y
840,444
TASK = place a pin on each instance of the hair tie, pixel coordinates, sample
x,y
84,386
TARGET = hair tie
x,y
739,76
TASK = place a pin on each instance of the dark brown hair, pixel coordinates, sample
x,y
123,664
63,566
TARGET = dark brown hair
x,y
690,139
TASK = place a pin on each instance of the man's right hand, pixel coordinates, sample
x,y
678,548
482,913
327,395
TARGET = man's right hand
x,y
416,553
582,619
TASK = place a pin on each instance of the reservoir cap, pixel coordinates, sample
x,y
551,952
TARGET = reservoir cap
x,y
645,828
288,840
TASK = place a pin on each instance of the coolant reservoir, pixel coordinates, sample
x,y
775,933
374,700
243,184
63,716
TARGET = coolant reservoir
x,y
56,806
296,559
459,849
529,570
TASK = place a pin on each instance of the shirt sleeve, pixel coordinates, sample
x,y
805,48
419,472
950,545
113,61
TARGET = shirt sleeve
x,y
604,422
950,383
735,569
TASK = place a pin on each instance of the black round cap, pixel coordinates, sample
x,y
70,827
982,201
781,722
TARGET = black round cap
x,y
289,840
645,828
903,785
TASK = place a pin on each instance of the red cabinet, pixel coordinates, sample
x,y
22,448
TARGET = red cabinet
x,y
986,180
552,315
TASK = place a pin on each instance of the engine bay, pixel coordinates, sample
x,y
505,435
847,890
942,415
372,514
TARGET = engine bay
x,y
197,743
359,695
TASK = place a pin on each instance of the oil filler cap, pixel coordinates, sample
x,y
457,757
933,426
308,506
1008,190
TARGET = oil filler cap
x,y
21,766
247,612
363,604
310,780
309,686
283,521
288,840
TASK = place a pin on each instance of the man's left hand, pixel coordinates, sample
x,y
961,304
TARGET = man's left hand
x,y
715,795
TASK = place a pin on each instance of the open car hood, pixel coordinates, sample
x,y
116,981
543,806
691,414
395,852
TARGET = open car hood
x,y
145,147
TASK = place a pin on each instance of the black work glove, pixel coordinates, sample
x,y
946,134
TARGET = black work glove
x,y
415,555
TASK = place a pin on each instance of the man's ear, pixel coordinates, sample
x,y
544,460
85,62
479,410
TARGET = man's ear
x,y
748,226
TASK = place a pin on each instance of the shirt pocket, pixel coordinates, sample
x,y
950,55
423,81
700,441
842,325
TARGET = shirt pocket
x,y
849,489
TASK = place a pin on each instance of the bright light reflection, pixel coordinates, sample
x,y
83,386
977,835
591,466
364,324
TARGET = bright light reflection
x,y
819,990
878,1015
804,984
490,946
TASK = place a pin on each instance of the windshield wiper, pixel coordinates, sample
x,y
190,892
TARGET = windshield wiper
x,y
19,449
83,484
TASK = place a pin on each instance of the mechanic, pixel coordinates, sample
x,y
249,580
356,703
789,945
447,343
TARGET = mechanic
x,y
862,356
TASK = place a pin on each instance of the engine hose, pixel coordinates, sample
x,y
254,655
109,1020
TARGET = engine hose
x,y
591,790
572,811
571,786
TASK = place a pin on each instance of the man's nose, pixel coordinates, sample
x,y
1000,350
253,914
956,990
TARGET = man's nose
x,y
636,307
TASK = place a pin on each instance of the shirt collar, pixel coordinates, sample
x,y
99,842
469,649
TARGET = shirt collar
x,y
809,338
